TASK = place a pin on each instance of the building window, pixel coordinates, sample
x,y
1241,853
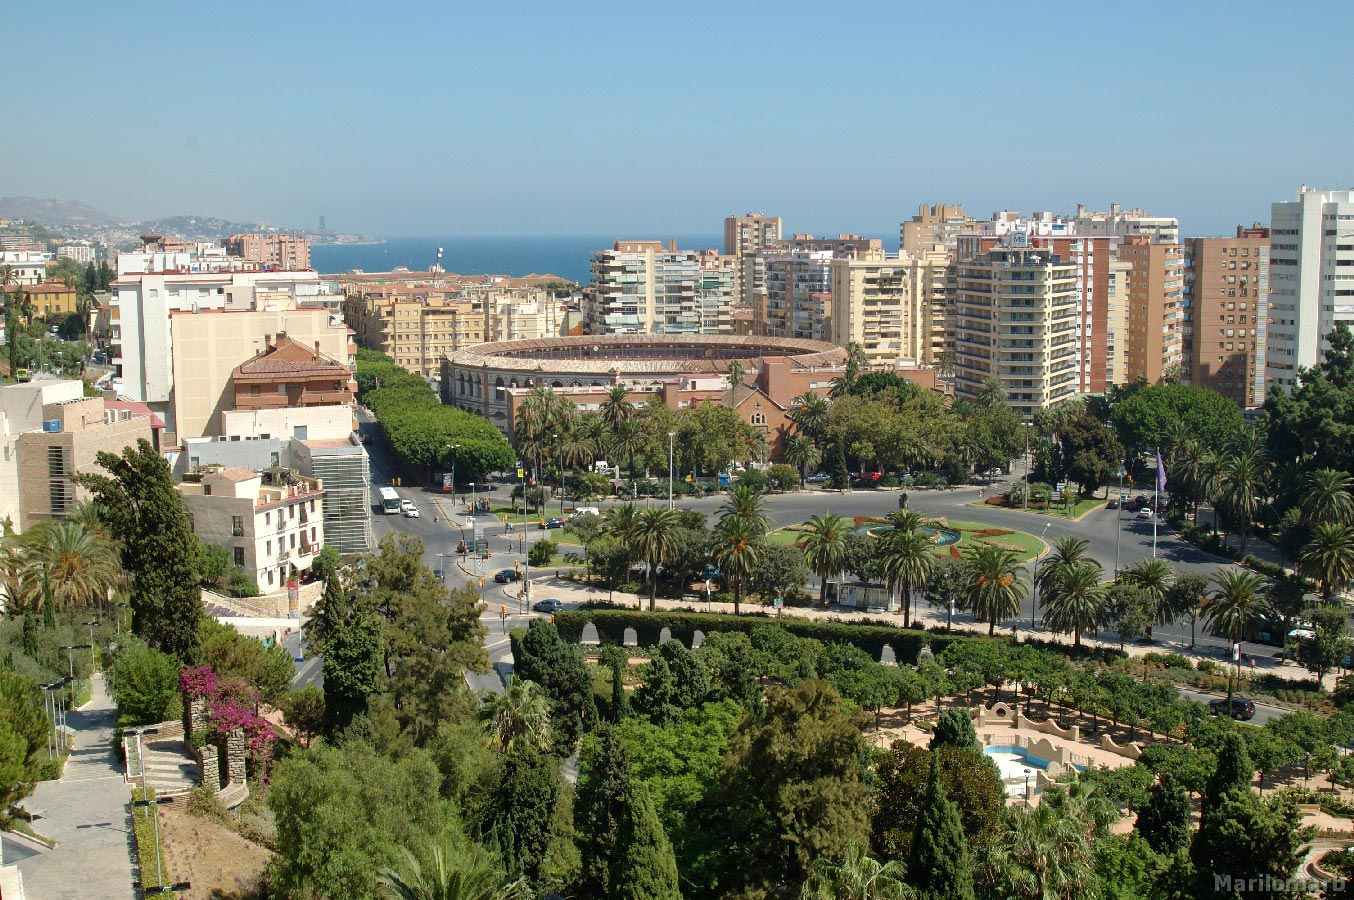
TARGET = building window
x,y
237,526
267,548
238,553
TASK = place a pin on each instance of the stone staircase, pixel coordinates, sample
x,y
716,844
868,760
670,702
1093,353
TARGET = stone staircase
x,y
159,760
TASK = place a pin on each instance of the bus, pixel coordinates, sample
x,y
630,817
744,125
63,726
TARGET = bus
x,y
390,501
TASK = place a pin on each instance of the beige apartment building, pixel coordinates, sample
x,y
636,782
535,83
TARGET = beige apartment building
x,y
208,345
277,251
1116,322
1227,293
1156,294
940,224
1016,321
72,433
745,235
798,298
271,522
893,306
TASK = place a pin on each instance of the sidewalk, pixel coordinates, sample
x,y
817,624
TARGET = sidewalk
x,y
87,812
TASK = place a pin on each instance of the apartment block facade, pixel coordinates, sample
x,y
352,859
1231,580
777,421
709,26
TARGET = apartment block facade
x,y
1226,314
798,300
892,306
1311,278
645,287
270,522
745,235
277,251
940,224
1120,222
1156,311
1016,321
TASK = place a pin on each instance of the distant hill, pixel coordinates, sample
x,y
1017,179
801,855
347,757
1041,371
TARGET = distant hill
x,y
195,227
55,213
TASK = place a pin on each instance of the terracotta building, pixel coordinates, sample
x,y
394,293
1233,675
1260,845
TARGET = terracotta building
x,y
290,374
1226,297
278,251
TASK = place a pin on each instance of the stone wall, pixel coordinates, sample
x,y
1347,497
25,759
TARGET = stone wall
x,y
209,768
236,748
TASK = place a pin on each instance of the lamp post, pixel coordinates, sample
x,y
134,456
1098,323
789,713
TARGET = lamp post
x,y
472,498
671,435
93,663
1034,609
561,475
452,448
1119,518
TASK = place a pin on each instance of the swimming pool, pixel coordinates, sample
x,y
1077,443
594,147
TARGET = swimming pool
x,y
1016,766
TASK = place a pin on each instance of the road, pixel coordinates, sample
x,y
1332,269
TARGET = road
x,y
1262,713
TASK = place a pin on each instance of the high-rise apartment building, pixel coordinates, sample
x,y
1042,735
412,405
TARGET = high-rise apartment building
x,y
1226,313
277,251
641,287
798,295
1156,312
1116,323
894,307
1311,278
1016,316
940,224
1125,223
745,235
717,292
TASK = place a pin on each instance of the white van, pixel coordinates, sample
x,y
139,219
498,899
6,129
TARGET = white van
x,y
586,511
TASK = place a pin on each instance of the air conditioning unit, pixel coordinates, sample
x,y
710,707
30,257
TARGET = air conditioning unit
x,y
52,426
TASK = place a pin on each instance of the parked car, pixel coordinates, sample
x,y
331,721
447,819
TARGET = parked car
x,y
1243,709
507,576
554,523
547,606
818,478
995,473
408,509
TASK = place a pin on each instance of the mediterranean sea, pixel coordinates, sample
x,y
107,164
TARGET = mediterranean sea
x,y
565,256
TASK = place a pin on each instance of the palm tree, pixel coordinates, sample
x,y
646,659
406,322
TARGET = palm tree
x,y
855,361
748,504
1234,607
908,558
738,546
803,453
620,522
520,717
857,877
654,537
1328,556
1154,578
995,585
991,393
1328,496
809,414
457,871
736,372
17,586
627,441
1068,551
1048,852
1241,482
1074,599
79,565
824,545
616,408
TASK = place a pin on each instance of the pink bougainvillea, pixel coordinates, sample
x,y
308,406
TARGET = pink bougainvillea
x,y
231,704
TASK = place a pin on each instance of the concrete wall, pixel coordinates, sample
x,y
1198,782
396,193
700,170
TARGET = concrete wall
x,y
320,422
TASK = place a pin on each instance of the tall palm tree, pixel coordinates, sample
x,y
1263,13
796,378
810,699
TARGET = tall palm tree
x,y
620,522
824,545
857,877
1241,483
654,537
802,453
738,546
903,520
616,408
995,585
628,440
1048,852
455,872
1074,599
1068,551
519,717
1328,556
809,414
855,363
1234,607
909,559
991,393
79,565
1328,496
1154,578
736,371
748,504
19,591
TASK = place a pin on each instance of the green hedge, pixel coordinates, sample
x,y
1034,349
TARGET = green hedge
x,y
611,625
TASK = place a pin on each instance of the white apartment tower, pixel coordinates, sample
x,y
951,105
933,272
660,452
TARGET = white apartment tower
x,y
1311,278
643,287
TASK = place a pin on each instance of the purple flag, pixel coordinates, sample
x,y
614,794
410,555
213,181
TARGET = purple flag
x,y
1161,473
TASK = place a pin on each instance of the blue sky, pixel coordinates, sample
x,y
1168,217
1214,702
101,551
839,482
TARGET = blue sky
x,y
643,118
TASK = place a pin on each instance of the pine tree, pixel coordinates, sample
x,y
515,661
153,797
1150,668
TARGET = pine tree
x,y
646,869
1164,821
137,502
599,811
954,728
940,867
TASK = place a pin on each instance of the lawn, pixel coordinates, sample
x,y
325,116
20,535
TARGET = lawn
x,y
1027,545
1080,508
785,537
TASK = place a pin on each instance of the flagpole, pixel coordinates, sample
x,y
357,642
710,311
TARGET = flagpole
x,y
1156,502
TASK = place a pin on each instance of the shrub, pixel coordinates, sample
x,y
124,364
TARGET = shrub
x,y
931,480
145,684
541,552
753,478
783,477
1264,567
889,481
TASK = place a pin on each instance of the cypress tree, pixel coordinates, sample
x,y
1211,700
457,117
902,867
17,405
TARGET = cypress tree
x,y
352,666
940,868
1164,821
523,812
599,811
1233,770
646,868
954,728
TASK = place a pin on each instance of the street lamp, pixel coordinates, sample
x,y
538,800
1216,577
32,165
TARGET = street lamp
x,y
1119,518
1034,609
452,448
561,475
93,663
671,435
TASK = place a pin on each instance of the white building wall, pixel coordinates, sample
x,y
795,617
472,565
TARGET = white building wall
x,y
317,423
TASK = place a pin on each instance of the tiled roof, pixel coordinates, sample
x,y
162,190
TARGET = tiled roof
x,y
288,357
